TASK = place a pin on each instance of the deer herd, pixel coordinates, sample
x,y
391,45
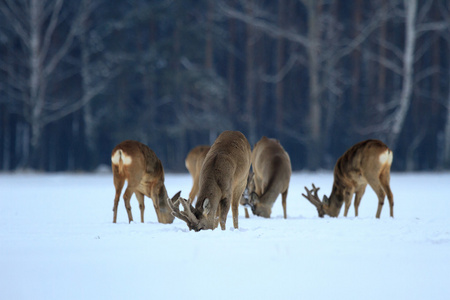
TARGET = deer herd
x,y
222,178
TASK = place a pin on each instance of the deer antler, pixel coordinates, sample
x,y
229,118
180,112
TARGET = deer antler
x,y
187,215
313,197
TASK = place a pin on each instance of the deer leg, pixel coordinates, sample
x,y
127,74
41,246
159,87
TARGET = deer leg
x,y
118,183
224,207
348,202
216,218
237,195
384,179
194,190
140,198
246,213
359,194
283,202
348,197
380,194
126,198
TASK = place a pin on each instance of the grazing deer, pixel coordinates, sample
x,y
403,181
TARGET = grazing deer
x,y
194,161
368,162
139,165
271,175
221,183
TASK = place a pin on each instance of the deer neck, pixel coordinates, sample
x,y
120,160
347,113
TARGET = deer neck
x,y
164,212
162,196
335,201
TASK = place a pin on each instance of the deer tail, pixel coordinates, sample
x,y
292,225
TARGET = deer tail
x,y
120,161
117,160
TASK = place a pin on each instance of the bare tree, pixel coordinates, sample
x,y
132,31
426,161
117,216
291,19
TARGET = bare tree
x,y
321,60
402,64
42,60
407,72
250,75
35,24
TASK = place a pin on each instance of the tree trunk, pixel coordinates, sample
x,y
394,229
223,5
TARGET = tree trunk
x,y
231,69
356,65
87,114
280,59
408,69
250,78
447,124
36,81
381,86
314,144
209,45
5,139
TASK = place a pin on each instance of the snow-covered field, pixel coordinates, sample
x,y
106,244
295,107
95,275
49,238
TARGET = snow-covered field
x,y
57,241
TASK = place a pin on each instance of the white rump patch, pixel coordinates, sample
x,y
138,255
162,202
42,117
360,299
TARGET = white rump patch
x,y
386,157
120,154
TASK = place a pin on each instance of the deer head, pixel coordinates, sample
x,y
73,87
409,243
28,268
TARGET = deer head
x,y
163,211
258,207
251,200
249,189
196,219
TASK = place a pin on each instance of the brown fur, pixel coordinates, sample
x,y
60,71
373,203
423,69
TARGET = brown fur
x,y
272,173
145,176
194,161
222,181
358,166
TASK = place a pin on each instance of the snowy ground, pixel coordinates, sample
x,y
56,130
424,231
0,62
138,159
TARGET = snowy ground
x,y
57,241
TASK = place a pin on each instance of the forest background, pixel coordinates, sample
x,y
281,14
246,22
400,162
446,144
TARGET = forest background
x,y
78,77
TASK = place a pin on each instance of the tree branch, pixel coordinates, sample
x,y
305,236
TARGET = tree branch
x,y
263,25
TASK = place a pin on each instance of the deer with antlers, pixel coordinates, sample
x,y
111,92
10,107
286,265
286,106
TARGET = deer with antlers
x,y
271,175
222,181
368,162
138,164
194,161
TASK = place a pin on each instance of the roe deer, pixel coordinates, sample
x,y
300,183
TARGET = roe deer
x,y
194,161
368,162
271,175
222,181
139,165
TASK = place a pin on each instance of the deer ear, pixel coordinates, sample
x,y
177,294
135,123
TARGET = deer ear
x,y
206,207
325,200
176,196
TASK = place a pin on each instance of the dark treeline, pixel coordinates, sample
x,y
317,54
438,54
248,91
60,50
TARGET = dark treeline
x,y
78,77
